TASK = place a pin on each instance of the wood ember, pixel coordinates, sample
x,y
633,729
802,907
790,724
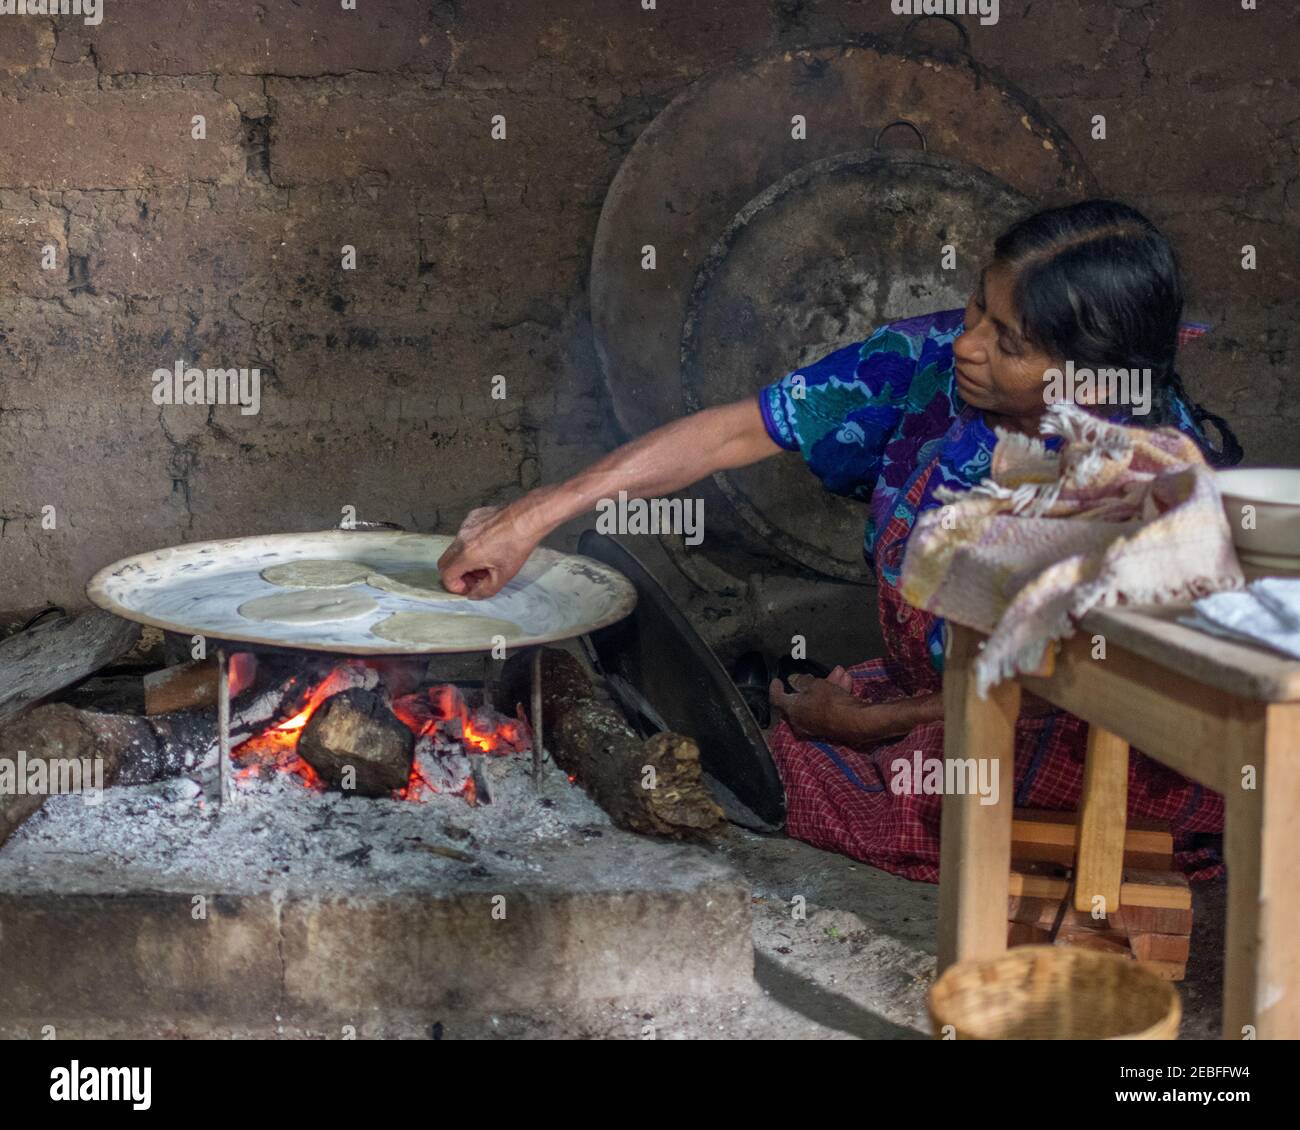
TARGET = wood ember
x,y
653,786
356,731
441,766
185,741
196,684
57,653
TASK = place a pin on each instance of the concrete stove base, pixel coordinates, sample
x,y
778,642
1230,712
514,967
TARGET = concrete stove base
x,y
681,929
147,910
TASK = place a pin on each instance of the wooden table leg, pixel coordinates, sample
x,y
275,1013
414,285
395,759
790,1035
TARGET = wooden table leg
x,y
1103,818
1261,976
975,844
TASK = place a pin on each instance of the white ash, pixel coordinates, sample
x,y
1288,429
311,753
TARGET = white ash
x,y
442,766
279,835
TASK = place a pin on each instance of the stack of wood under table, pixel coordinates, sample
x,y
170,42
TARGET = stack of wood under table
x,y
1153,923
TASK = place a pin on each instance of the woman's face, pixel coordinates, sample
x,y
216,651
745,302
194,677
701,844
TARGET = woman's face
x,y
997,370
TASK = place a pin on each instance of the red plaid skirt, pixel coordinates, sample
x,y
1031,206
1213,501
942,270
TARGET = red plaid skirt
x,y
840,798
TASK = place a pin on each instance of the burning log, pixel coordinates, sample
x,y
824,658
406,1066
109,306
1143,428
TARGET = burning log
x,y
57,653
186,741
355,742
135,750
196,683
653,786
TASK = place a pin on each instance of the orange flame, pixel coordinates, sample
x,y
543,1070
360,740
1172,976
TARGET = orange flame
x,y
480,739
277,747
335,681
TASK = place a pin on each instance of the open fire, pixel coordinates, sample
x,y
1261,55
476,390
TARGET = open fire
x,y
449,736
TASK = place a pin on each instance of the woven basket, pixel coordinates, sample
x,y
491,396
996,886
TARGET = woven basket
x,y
1054,993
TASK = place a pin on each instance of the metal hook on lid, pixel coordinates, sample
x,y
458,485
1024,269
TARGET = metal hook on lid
x,y
961,28
875,145
963,48
357,524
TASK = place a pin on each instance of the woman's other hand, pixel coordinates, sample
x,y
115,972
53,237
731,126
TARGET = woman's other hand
x,y
827,709
821,708
489,549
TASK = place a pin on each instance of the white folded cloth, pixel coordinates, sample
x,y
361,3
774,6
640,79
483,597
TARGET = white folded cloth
x,y
1266,612
1281,596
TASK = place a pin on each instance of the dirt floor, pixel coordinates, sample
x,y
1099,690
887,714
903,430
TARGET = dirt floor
x,y
861,962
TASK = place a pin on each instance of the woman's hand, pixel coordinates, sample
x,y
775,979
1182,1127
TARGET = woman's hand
x,y
827,709
822,708
490,548
495,541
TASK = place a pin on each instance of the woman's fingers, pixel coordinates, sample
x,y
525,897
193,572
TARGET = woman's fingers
x,y
481,582
480,560
467,577
458,568
448,566
792,706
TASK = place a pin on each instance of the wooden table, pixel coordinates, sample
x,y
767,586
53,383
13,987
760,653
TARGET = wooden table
x,y
1224,714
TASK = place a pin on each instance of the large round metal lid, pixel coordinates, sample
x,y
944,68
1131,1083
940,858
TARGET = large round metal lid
x,y
708,178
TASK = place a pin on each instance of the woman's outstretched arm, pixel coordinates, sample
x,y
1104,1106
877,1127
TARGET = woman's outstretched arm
x,y
494,541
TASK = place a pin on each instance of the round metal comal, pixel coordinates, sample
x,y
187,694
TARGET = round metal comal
x,y
198,589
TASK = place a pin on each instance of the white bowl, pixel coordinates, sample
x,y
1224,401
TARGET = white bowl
x,y
1263,509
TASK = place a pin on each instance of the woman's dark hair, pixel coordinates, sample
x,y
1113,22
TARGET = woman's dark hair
x,y
1097,283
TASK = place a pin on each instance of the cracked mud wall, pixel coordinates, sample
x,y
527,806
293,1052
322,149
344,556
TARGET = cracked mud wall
x,y
327,127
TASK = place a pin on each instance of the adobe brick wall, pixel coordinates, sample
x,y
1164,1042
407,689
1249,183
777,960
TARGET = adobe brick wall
x,y
328,127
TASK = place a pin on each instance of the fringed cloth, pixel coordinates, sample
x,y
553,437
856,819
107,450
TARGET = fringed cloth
x,y
1116,515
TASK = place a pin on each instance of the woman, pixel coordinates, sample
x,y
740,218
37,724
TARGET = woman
x,y
887,421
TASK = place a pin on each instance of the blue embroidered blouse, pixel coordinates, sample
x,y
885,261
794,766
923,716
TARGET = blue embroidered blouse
x,y
870,416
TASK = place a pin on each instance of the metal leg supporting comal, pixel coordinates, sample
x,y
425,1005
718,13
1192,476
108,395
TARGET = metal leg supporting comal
x,y
535,716
223,725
